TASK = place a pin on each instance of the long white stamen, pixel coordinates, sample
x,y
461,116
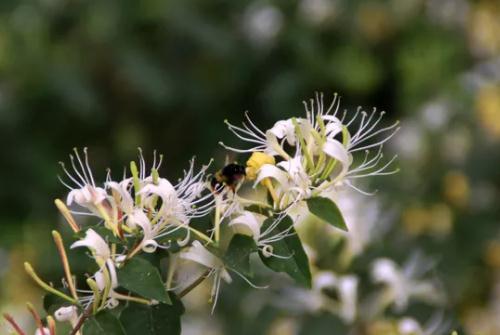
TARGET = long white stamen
x,y
253,125
88,166
69,175
377,143
83,178
87,179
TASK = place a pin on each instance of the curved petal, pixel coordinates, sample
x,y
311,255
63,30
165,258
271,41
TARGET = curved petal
x,y
249,220
199,254
284,129
336,150
122,188
164,189
271,171
94,242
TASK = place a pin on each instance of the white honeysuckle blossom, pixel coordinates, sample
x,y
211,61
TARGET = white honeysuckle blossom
x,y
98,246
85,193
363,218
317,298
347,289
250,223
183,201
403,284
121,191
106,276
122,195
324,145
294,183
199,254
149,231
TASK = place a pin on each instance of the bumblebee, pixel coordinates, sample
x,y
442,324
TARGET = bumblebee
x,y
230,175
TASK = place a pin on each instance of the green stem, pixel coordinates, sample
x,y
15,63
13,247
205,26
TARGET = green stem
x,y
31,272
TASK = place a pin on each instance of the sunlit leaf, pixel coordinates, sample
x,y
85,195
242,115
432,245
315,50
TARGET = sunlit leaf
x,y
328,211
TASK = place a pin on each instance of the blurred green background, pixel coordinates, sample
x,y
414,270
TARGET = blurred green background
x,y
164,74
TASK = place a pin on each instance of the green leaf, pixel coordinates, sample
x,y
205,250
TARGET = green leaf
x,y
159,319
237,256
103,323
327,210
139,276
293,260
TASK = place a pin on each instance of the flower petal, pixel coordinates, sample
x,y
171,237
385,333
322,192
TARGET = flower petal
x,y
336,150
94,242
199,254
271,171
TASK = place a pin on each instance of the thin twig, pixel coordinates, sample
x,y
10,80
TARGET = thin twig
x,y
194,284
85,315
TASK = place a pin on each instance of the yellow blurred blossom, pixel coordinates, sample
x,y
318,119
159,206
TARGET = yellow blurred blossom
x,y
374,21
488,107
435,220
283,326
456,188
492,254
484,25
382,327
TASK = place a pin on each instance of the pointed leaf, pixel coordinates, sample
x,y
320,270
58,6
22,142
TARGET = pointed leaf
x,y
141,277
159,319
237,256
103,323
292,258
328,211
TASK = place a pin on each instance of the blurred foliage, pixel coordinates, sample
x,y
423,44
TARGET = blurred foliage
x,y
120,74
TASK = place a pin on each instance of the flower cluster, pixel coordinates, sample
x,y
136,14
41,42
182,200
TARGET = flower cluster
x,y
301,158
153,240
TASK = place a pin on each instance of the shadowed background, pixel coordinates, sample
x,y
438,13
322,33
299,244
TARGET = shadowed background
x,y
117,75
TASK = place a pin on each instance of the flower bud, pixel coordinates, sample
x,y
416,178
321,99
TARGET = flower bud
x,y
45,331
65,313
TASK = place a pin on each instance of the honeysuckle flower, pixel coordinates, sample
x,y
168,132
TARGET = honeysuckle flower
x,y
149,231
183,201
122,195
324,142
199,254
250,223
105,277
96,244
85,193
293,183
363,218
403,284
317,299
347,289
